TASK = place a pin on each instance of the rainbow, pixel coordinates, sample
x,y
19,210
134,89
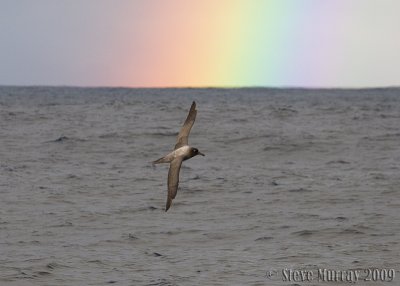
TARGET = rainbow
x,y
234,43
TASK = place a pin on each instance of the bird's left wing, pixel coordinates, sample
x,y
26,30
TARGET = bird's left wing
x,y
183,136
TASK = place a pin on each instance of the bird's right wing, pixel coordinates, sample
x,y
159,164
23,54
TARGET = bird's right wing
x,y
183,136
173,180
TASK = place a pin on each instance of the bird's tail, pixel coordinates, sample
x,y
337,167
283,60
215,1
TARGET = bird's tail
x,y
161,160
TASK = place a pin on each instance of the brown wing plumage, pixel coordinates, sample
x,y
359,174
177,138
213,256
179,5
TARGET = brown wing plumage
x,y
183,136
173,180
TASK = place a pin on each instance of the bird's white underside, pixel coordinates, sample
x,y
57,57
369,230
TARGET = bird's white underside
x,y
181,151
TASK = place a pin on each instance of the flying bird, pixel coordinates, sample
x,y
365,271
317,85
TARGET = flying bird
x,y
181,152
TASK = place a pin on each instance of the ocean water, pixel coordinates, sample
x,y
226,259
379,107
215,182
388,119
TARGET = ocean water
x,y
293,179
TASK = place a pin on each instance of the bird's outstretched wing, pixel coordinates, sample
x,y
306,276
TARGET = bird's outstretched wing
x,y
183,136
173,180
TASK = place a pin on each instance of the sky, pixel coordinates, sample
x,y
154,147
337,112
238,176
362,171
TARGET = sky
x,y
200,43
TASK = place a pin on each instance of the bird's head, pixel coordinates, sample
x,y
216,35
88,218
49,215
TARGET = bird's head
x,y
195,152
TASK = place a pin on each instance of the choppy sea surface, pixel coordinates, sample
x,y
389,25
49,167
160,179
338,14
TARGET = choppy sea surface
x,y
292,179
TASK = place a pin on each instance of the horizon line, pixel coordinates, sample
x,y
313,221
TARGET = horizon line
x,y
204,87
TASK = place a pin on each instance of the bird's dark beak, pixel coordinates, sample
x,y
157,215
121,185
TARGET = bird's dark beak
x,y
201,154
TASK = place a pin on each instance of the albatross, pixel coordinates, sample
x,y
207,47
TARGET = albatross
x,y
181,152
